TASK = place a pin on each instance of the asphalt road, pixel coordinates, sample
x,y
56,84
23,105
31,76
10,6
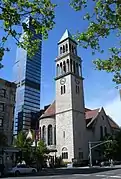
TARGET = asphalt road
x,y
111,174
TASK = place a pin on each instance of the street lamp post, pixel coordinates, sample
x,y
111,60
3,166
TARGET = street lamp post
x,y
90,154
92,147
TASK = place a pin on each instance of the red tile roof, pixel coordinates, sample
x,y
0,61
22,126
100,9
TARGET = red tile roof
x,y
112,123
89,115
50,111
87,109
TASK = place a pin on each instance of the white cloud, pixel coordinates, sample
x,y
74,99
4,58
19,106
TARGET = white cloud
x,y
113,109
111,102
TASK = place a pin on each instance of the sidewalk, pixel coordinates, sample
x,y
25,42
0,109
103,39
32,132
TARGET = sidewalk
x,y
114,166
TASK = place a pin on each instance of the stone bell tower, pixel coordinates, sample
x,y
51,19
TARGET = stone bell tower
x,y
70,120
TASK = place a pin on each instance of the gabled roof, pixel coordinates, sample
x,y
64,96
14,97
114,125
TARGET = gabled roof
x,y
66,35
50,111
90,115
112,123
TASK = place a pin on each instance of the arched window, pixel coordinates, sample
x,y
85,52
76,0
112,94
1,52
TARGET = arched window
x,y
67,65
66,47
64,89
64,153
64,67
71,65
64,149
77,69
80,70
105,131
101,132
55,135
74,67
77,89
75,52
61,89
44,133
61,69
63,134
72,49
63,49
57,70
50,135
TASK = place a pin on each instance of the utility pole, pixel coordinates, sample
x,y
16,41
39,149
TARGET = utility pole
x,y
90,154
92,147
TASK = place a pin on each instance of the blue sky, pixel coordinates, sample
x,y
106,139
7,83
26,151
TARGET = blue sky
x,y
99,89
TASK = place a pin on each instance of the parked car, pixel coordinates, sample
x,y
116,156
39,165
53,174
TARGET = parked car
x,y
22,169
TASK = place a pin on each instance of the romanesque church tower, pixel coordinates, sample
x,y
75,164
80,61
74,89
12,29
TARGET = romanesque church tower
x,y
71,140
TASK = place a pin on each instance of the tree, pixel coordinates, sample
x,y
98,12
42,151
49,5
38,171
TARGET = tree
x,y
112,150
25,145
109,148
29,152
3,139
12,14
104,18
40,153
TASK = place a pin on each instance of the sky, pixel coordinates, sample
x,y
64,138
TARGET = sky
x,y
99,90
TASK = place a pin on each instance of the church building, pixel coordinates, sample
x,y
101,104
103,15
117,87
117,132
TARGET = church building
x,y
66,125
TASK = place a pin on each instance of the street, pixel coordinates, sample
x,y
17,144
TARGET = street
x,y
116,173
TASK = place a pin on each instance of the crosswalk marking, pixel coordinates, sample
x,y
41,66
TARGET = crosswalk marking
x,y
109,176
85,175
101,175
117,176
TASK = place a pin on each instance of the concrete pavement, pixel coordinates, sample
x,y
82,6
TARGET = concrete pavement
x,y
111,174
77,173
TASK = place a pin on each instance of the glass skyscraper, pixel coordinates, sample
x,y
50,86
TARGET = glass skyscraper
x,y
27,76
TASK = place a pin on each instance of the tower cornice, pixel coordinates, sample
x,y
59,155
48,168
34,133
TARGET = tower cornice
x,y
68,54
69,73
69,39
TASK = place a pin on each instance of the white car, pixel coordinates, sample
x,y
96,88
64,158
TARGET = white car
x,y
22,169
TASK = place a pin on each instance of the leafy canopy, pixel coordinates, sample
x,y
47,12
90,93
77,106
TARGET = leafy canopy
x,y
112,150
29,152
104,18
22,142
12,14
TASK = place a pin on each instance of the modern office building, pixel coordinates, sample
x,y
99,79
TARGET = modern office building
x,y
27,74
7,104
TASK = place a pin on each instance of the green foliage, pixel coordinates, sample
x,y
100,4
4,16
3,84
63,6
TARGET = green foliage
x,y
12,14
24,144
104,18
40,153
22,141
3,140
41,148
30,153
109,148
112,149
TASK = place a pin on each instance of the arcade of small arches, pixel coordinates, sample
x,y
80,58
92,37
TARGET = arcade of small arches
x,y
66,48
48,134
68,66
